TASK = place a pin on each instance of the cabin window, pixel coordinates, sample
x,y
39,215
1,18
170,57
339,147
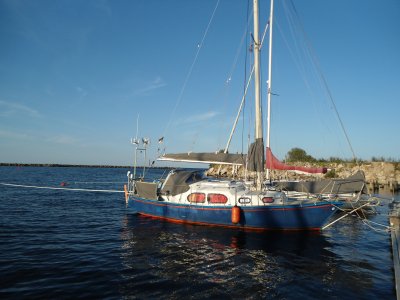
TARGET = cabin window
x,y
244,200
268,200
196,198
217,198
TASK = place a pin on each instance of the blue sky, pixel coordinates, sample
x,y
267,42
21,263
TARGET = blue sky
x,y
74,76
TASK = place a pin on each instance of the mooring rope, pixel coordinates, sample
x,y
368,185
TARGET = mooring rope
x,y
59,188
98,182
345,215
364,219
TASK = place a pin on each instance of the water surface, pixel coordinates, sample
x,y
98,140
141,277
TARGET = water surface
x,y
66,244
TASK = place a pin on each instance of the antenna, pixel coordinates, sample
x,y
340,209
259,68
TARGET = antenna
x,y
137,127
145,141
135,141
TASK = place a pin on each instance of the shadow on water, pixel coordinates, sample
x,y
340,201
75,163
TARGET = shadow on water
x,y
164,259
300,242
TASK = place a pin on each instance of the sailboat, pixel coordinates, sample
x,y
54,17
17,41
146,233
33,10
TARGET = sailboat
x,y
190,197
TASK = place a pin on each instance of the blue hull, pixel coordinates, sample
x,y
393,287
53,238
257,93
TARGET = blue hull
x,y
287,217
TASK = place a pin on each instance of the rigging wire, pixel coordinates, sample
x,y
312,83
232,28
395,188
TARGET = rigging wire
x,y
323,79
225,91
239,49
296,55
243,97
199,47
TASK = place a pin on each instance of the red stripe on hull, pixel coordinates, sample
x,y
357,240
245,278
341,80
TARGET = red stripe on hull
x,y
244,228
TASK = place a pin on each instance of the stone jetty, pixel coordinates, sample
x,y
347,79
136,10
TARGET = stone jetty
x,y
378,175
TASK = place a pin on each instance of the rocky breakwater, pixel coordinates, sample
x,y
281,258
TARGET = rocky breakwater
x,y
378,175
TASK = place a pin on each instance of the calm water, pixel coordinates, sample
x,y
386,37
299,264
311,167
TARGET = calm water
x,y
66,244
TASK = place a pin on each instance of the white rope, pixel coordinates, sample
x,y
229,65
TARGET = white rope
x,y
364,219
347,214
59,188
387,228
97,182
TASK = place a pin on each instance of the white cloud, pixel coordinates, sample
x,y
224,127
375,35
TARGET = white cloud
x,y
199,117
155,84
57,139
104,7
63,139
14,135
81,92
11,108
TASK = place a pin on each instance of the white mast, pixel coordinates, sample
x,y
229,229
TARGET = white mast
x,y
258,113
269,80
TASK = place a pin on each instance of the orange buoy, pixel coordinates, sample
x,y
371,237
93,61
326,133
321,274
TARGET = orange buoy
x,y
63,183
235,214
126,193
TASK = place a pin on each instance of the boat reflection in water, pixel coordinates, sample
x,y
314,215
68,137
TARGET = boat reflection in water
x,y
163,259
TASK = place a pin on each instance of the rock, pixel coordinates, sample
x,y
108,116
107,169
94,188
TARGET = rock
x,y
380,172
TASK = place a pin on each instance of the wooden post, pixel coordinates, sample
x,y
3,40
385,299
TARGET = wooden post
x,y
395,235
374,186
393,185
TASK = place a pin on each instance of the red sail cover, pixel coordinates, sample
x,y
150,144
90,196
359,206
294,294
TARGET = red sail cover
x,y
273,163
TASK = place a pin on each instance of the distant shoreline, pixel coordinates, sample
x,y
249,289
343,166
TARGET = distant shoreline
x,y
74,166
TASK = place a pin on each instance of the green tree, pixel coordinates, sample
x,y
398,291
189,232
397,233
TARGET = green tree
x,y
298,154
331,174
